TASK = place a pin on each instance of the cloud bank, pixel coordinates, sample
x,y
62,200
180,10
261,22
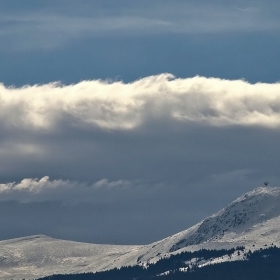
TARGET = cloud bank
x,y
120,106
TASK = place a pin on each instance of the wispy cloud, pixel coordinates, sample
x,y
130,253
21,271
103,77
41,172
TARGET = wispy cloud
x,y
116,105
52,28
45,189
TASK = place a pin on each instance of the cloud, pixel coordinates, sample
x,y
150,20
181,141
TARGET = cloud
x,y
45,189
120,106
30,185
183,19
53,26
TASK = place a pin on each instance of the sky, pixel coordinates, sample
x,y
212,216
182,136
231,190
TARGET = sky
x,y
123,122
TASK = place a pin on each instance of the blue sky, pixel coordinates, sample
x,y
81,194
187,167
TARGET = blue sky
x,y
99,144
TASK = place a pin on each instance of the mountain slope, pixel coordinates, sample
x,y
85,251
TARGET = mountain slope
x,y
253,221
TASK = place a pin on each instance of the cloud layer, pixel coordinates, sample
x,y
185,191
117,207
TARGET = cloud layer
x,y
116,105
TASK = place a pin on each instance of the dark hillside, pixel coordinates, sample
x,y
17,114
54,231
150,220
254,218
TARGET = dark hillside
x,y
262,264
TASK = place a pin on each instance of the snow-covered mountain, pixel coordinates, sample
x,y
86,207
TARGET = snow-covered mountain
x,y
35,256
252,221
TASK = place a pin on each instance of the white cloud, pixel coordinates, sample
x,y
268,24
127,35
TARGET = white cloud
x,y
34,189
116,105
31,185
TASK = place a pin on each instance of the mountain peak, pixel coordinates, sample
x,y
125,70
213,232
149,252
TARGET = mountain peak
x,y
252,208
267,190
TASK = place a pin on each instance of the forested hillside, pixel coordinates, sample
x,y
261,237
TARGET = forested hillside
x,y
258,266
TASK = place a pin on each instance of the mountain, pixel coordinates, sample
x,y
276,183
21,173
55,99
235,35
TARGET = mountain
x,y
252,221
